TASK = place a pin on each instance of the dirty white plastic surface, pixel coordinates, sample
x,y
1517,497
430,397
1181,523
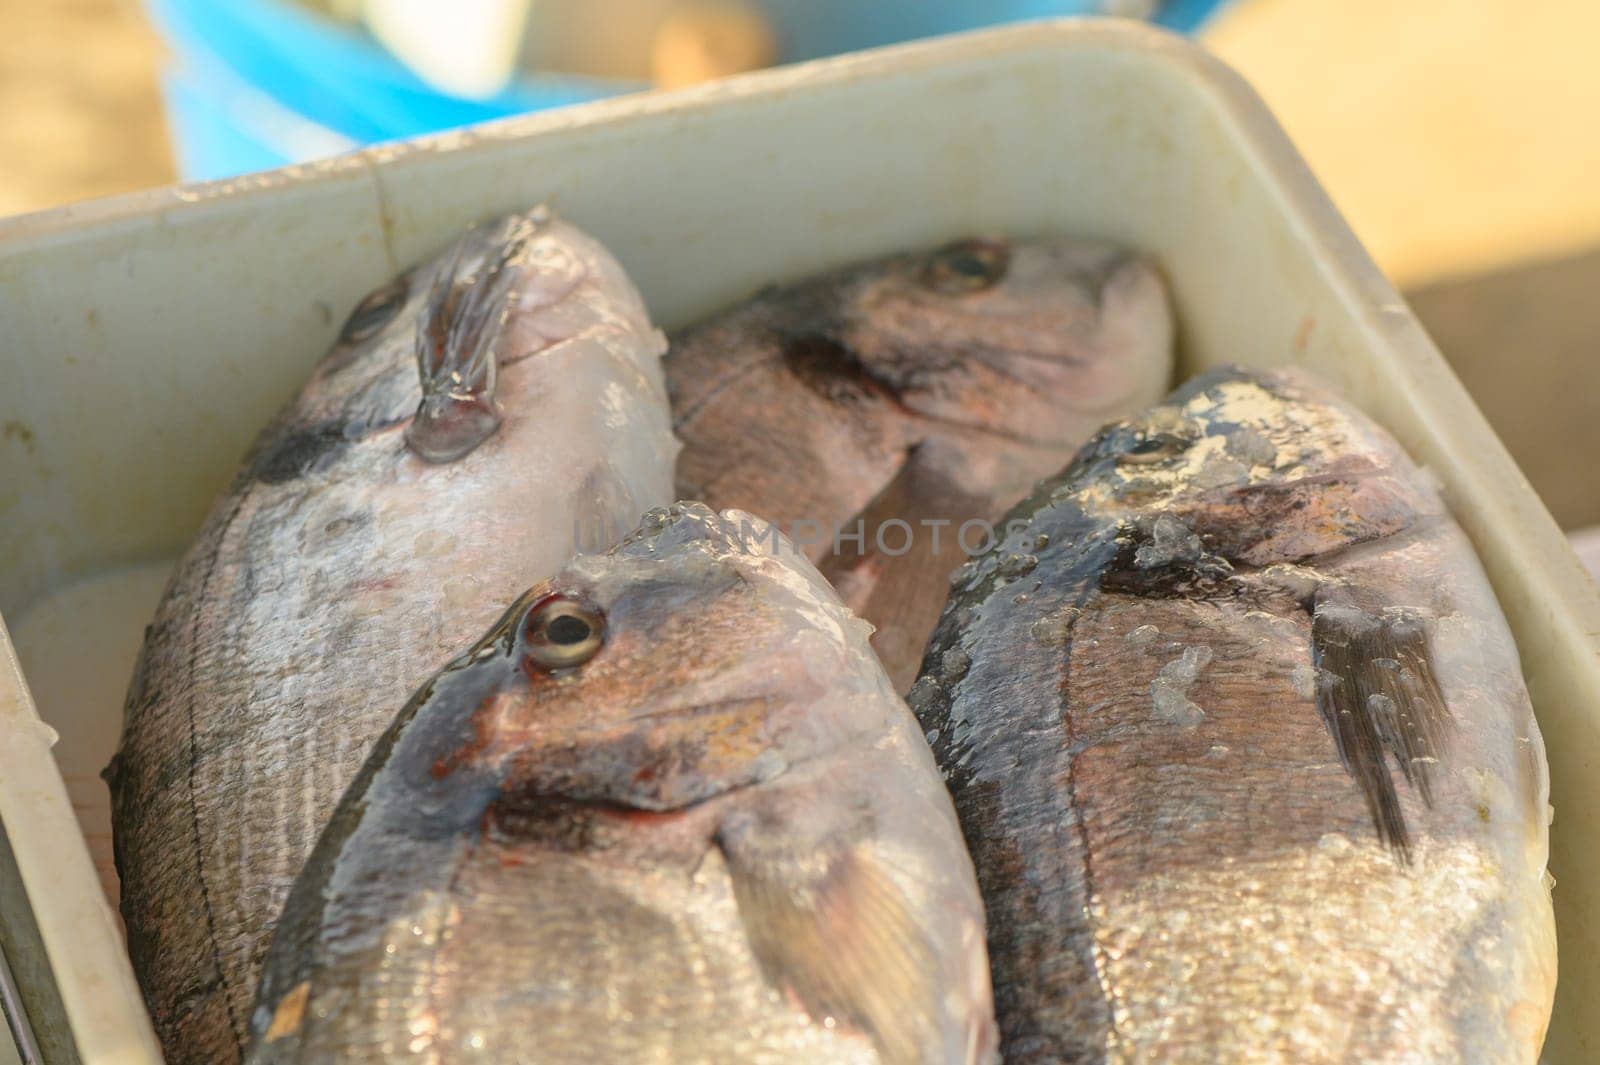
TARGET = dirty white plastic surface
x,y
1586,542
146,339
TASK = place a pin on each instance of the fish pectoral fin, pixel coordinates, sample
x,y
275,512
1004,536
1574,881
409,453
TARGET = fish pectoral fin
x,y
842,940
891,560
457,336
114,771
1378,692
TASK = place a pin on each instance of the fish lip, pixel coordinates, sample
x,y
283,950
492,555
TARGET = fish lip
x,y
1043,355
507,362
1324,476
902,400
1059,358
639,802
689,709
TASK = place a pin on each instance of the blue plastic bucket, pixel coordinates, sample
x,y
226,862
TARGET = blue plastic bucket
x,y
255,84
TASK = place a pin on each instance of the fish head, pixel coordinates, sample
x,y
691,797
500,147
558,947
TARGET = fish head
x,y
1257,467
1004,336
460,328
502,305
367,380
700,655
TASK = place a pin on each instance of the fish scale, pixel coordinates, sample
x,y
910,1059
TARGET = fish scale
x,y
929,387
326,583
714,835
1245,759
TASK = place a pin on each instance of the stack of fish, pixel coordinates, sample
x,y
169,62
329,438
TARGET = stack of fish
x,y
1216,746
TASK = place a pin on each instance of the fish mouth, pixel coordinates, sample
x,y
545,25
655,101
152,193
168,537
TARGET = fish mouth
x,y
1040,352
824,364
842,366
636,807
693,709
1044,357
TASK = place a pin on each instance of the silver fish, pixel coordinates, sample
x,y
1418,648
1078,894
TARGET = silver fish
x,y
668,809
886,413
1240,743
477,419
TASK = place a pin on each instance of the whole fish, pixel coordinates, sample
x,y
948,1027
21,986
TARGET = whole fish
x,y
905,404
668,809
477,418
1240,744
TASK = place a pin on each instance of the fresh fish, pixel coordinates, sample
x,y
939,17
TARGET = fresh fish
x,y
668,809
1240,744
477,417
897,401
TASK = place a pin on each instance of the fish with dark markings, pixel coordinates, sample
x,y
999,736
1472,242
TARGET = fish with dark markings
x,y
898,400
1241,747
668,809
474,413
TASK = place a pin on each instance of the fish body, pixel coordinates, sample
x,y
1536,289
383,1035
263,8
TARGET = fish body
x,y
893,403
667,809
479,416
1241,747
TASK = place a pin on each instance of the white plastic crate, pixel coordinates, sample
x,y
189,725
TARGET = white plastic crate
x,y
144,340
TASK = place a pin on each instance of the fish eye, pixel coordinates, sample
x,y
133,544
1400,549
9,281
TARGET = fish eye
x,y
562,633
374,312
1151,448
969,266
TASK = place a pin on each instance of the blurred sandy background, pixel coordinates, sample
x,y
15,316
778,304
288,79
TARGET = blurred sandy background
x,y
80,113
1458,138
1459,141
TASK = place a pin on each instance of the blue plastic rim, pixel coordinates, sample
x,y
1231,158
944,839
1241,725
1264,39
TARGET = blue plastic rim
x,y
255,84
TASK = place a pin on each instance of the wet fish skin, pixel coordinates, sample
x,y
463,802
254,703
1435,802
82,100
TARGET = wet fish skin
x,y
934,386
1244,755
714,834
473,414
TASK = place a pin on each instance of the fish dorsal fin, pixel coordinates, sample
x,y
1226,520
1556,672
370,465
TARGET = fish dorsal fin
x,y
840,936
